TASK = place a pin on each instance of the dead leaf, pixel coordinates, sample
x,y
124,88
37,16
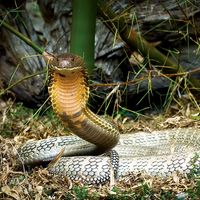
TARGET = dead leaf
x,y
10,192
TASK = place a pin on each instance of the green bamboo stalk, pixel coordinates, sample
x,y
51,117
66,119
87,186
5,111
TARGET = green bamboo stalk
x,y
83,30
22,37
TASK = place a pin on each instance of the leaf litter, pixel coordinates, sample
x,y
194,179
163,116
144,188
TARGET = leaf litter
x,y
18,182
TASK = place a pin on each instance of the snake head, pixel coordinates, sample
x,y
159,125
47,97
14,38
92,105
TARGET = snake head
x,y
64,63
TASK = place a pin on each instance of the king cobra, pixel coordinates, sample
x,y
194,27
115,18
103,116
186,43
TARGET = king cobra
x,y
96,153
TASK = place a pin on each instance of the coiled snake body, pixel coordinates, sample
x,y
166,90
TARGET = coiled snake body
x,y
158,153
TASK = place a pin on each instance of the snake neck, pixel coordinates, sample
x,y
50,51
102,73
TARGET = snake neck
x,y
69,93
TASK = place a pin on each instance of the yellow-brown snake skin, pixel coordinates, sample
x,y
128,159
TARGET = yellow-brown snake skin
x,y
159,153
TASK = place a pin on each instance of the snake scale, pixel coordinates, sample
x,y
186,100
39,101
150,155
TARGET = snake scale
x,y
98,153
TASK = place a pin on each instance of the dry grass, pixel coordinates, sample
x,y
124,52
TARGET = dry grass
x,y
37,183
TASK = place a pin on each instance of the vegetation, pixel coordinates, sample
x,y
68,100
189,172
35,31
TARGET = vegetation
x,y
181,104
23,123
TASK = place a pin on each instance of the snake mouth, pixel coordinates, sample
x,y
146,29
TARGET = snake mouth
x,y
65,70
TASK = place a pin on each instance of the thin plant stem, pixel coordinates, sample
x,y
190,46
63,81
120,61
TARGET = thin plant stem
x,y
22,37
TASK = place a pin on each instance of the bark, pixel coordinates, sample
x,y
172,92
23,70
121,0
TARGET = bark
x,y
18,61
